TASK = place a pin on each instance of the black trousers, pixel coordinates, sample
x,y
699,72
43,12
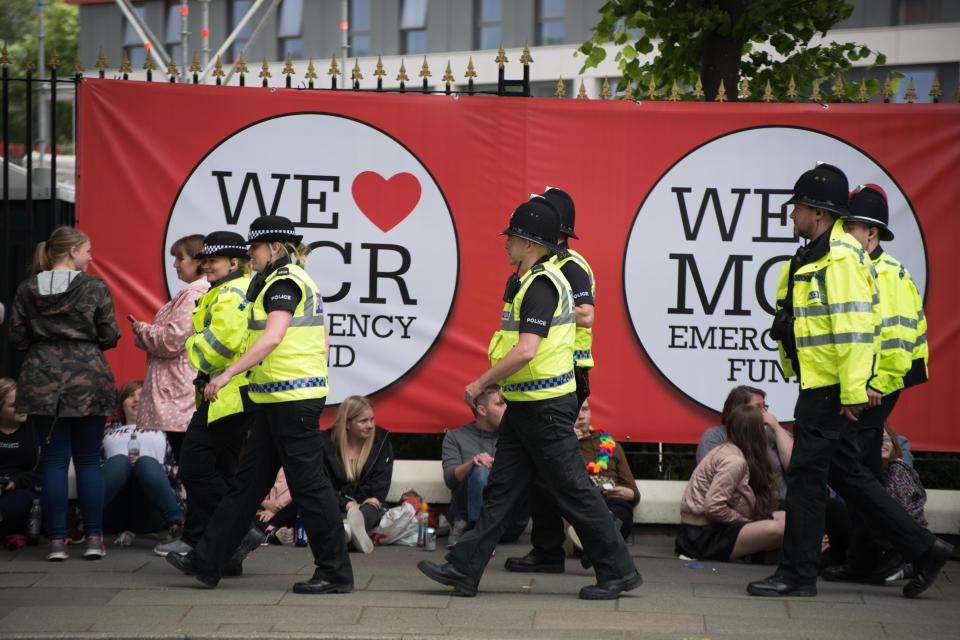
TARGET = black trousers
x,y
826,449
865,546
208,464
537,442
283,434
547,535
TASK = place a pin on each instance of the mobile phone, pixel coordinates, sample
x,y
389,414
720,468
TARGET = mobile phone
x,y
607,486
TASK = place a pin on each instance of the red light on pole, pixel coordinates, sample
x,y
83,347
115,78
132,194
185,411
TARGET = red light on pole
x,y
184,10
344,25
205,33
147,45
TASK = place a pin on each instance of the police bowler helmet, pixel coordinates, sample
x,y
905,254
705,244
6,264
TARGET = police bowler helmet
x,y
537,221
868,204
273,229
823,187
563,203
225,244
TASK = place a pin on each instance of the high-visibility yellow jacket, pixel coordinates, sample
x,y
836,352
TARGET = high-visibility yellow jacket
x,y
836,318
297,368
903,333
550,373
220,329
583,347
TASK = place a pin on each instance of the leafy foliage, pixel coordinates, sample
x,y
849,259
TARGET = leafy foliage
x,y
776,40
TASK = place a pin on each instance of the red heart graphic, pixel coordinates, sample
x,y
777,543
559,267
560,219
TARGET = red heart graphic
x,y
386,202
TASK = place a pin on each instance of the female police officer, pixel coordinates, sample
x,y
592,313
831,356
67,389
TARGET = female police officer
x,y
287,361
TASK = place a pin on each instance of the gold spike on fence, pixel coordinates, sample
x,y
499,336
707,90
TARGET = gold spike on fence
x,y
744,93
125,67
242,66
264,70
863,95
911,94
172,70
652,89
356,75
288,67
501,59
887,90
471,71
334,69
424,69
674,92
311,73
561,90
935,91
837,89
5,56
582,93
525,57
101,63
605,89
77,67
448,74
792,88
721,92
815,91
628,94
768,93
54,61
402,76
218,70
698,88
379,71
29,65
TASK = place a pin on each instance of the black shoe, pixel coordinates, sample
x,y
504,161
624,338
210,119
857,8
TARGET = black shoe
x,y
926,568
233,570
252,539
611,589
318,585
187,564
842,573
447,574
533,563
778,587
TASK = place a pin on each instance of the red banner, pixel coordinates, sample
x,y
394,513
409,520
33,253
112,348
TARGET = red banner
x,y
679,210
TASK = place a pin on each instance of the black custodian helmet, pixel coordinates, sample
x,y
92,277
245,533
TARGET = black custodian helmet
x,y
868,204
537,221
273,229
823,187
563,203
226,244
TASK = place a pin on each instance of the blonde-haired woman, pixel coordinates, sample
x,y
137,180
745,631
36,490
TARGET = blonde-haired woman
x,y
63,319
359,461
167,401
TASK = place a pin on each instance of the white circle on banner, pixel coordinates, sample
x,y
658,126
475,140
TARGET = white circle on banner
x,y
706,249
385,253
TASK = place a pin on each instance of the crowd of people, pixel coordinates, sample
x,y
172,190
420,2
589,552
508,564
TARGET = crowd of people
x,y
219,445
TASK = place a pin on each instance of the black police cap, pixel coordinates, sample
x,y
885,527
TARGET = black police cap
x,y
823,187
225,244
537,221
273,229
563,203
868,204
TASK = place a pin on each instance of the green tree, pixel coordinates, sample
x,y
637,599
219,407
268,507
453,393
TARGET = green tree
x,y
726,40
18,32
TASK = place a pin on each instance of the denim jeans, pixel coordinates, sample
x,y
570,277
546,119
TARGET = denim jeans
x,y
468,500
79,438
149,477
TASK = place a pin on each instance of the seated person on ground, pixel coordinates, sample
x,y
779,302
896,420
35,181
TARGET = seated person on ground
x,y
359,460
137,492
467,456
903,483
728,507
277,514
608,468
779,440
19,477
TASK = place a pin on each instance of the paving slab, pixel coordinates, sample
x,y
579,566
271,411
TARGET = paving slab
x,y
773,628
620,621
530,601
83,618
375,599
317,616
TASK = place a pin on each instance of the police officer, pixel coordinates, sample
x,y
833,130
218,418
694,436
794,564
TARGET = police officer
x,y
828,327
547,555
532,359
287,381
902,363
211,447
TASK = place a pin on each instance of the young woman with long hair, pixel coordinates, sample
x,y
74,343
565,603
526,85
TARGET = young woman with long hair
x,y
729,506
19,478
63,319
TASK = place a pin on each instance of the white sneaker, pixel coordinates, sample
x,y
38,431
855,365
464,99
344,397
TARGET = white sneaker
x,y
176,545
358,529
285,535
456,531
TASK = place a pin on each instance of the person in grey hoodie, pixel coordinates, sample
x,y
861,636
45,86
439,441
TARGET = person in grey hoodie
x,y
63,319
468,454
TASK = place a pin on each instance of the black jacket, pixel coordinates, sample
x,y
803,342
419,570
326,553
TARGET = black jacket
x,y
377,473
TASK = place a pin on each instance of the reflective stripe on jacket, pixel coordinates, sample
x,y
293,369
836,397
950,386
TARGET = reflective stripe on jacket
x,y
903,332
220,332
297,368
550,373
836,318
583,346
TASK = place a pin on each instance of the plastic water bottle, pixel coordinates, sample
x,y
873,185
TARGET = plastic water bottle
x,y
33,523
133,446
300,534
423,520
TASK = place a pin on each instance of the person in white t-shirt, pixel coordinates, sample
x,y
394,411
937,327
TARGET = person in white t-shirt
x,y
137,496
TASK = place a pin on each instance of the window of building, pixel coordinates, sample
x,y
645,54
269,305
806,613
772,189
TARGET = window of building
x,y
551,25
360,27
413,26
489,24
928,11
132,45
290,29
172,40
238,9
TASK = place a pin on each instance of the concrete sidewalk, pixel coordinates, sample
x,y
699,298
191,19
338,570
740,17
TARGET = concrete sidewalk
x,y
133,594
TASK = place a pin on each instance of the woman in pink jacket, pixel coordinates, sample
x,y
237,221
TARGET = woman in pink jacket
x,y
168,398
728,507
